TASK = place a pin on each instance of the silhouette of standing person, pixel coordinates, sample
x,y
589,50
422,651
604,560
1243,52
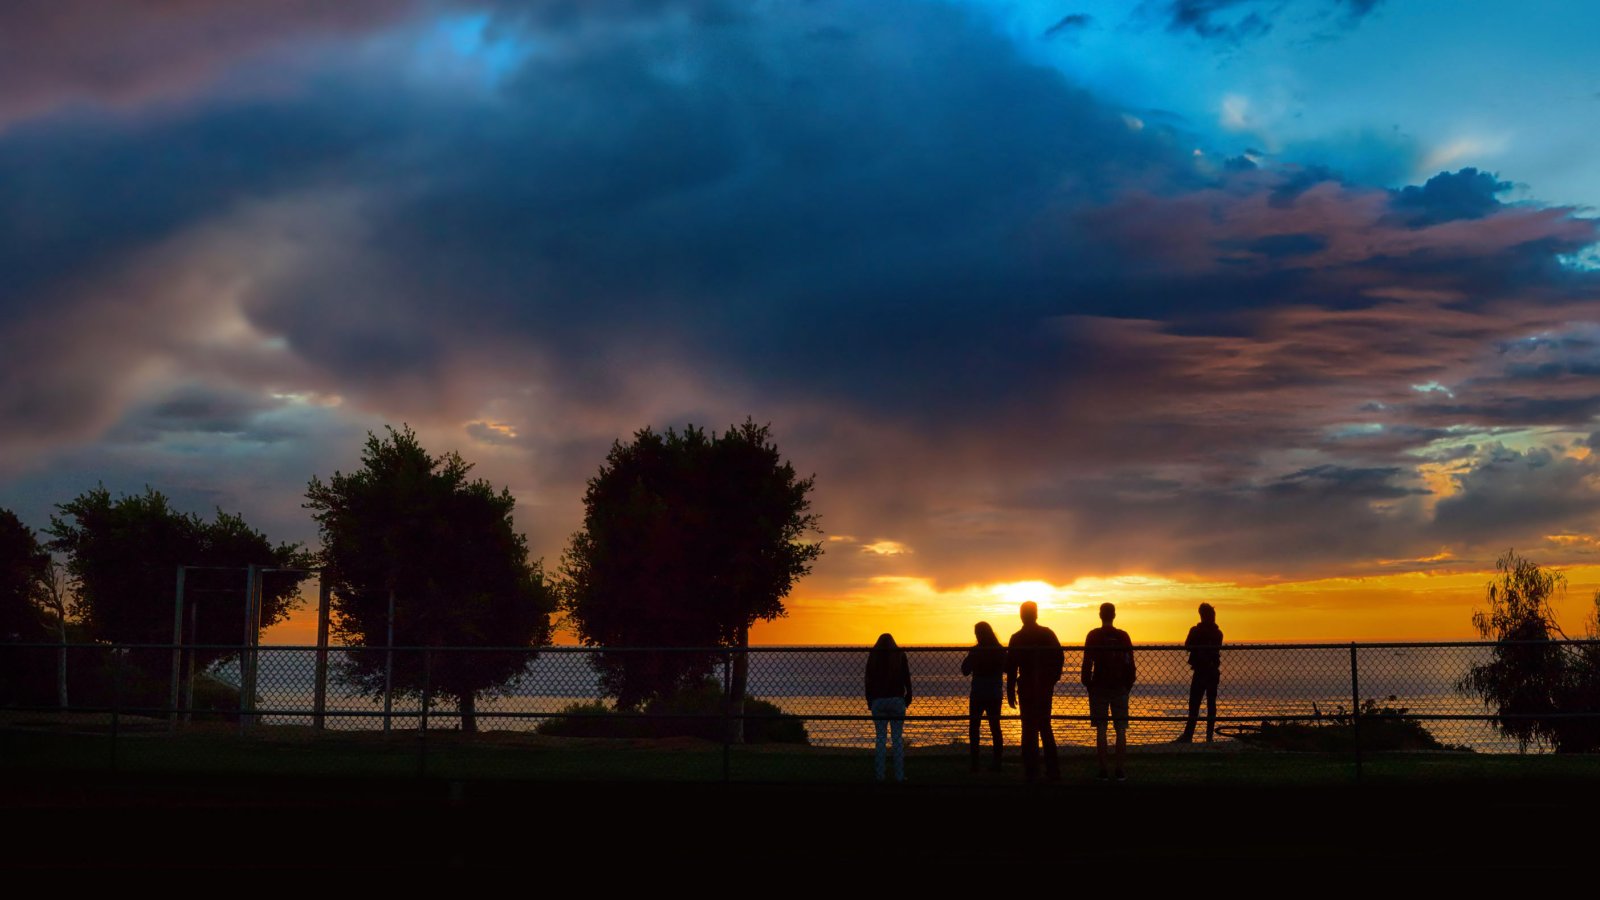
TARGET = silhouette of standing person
x,y
1108,673
888,695
1205,660
1033,666
986,663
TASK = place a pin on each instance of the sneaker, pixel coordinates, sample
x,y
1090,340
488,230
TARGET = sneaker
x,y
1121,778
1183,739
1102,776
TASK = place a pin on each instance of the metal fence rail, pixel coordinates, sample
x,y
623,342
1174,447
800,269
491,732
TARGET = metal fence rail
x,y
1295,704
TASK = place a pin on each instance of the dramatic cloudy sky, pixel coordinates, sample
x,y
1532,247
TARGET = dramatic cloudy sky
x,y
1285,303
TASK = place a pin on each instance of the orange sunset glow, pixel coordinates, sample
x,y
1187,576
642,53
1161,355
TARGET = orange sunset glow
x,y
1415,606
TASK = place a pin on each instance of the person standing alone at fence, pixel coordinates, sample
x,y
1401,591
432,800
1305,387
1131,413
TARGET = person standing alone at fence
x,y
1033,666
888,695
986,663
1205,660
1108,674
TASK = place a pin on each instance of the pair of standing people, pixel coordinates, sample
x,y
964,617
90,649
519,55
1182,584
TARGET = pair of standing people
x,y
1032,666
1032,663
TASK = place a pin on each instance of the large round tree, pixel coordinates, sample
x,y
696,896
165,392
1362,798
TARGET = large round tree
x,y
688,539
415,526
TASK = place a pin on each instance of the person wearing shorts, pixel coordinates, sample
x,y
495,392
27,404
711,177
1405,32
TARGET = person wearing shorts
x,y
1108,675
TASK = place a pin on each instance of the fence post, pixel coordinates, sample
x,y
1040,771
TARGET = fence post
x,y
177,653
727,710
388,668
246,700
427,698
1355,705
116,702
188,671
319,697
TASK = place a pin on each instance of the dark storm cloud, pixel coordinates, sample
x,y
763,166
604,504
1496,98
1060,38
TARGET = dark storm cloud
x,y
1236,21
1282,245
846,203
1069,24
1524,495
106,271
81,196
203,409
1227,20
1448,196
1515,410
1000,324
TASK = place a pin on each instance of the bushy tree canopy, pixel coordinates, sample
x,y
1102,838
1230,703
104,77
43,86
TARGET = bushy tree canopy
x,y
123,554
688,539
445,545
24,577
1532,682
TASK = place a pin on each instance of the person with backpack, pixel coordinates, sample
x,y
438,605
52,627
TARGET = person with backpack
x,y
986,663
1108,674
1205,661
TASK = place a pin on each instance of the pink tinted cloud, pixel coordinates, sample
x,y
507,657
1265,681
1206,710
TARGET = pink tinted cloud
x,y
61,52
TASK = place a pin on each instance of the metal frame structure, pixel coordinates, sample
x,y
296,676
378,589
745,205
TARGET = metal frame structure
x,y
249,650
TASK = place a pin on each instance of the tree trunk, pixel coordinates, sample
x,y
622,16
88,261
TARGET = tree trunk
x,y
468,703
741,679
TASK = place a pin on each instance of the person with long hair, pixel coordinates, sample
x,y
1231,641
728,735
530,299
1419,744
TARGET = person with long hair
x,y
888,695
986,663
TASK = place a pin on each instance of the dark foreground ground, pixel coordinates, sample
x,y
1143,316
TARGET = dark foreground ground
x,y
606,811
418,828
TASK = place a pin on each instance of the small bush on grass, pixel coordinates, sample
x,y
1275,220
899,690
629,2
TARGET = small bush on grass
x,y
696,711
1383,728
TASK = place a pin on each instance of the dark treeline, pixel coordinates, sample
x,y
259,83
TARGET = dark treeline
x,y
688,539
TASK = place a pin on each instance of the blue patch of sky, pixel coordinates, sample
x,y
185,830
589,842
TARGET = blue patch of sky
x,y
1411,90
466,49
1355,430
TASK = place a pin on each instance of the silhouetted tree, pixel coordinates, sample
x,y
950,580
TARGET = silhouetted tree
x,y
1532,682
123,554
413,524
24,570
688,539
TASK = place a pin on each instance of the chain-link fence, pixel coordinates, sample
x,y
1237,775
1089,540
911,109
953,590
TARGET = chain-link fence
x,y
1296,711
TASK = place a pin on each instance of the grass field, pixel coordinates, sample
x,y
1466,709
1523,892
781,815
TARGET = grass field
x,y
506,756
401,807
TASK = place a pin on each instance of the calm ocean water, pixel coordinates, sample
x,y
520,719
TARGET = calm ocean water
x,y
1258,682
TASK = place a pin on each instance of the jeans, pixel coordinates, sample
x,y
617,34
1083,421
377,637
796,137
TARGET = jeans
x,y
984,703
888,714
